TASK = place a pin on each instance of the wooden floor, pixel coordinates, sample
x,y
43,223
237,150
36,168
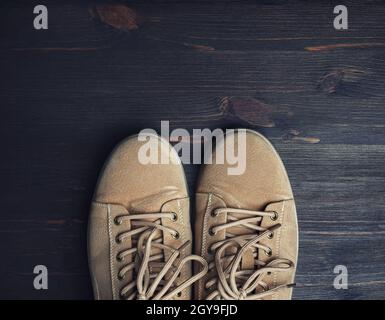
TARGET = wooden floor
x,y
70,93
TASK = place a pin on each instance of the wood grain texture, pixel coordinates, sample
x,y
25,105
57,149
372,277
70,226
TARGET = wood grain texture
x,y
70,93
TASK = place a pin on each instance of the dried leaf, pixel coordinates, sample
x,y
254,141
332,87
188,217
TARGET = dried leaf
x,y
117,16
252,111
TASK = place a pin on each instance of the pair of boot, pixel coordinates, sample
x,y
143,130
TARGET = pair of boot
x,y
246,234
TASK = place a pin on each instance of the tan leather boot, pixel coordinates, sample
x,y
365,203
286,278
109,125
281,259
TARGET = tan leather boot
x,y
246,226
139,228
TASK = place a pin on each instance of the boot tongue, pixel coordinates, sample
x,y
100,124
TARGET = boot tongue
x,y
247,262
248,257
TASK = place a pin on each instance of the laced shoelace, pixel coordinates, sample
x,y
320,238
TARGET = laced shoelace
x,y
153,285
233,283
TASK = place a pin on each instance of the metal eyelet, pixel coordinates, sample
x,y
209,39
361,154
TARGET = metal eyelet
x,y
269,253
117,221
270,235
120,278
211,232
118,240
275,217
119,258
176,235
214,213
174,217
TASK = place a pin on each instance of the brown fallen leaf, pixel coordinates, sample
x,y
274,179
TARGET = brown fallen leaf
x,y
252,111
117,16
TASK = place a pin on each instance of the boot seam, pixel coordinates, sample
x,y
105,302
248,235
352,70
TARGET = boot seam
x,y
204,238
112,274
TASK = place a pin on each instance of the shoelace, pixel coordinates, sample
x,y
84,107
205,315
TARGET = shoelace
x,y
153,286
232,282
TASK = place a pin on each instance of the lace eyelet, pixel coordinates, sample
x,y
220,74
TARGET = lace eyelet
x,y
270,235
210,250
119,258
179,294
174,217
176,235
117,221
269,253
120,278
275,217
214,213
211,232
118,240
